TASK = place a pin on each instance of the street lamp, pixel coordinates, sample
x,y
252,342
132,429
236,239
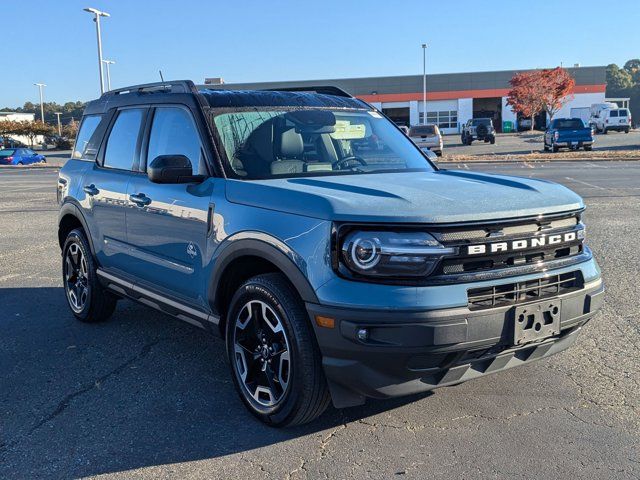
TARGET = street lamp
x,y
107,63
424,83
97,14
40,87
59,126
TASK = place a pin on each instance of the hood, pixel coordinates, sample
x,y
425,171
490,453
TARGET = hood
x,y
425,197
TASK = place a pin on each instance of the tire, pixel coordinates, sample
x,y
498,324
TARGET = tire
x,y
546,147
493,140
438,153
93,303
605,130
554,148
626,130
588,148
305,394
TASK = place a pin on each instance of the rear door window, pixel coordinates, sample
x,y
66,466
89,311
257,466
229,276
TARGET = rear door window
x,y
122,144
613,113
622,113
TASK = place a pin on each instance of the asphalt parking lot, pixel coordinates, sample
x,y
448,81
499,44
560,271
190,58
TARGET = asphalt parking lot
x,y
526,142
146,396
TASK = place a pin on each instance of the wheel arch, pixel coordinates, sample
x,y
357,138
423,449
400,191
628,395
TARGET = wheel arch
x,y
69,218
244,258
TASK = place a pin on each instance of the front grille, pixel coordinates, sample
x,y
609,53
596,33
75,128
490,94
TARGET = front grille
x,y
491,233
520,292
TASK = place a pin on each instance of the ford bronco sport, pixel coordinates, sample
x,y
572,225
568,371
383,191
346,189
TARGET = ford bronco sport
x,y
304,228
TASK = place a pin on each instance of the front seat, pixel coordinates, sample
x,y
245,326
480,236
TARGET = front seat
x,y
289,149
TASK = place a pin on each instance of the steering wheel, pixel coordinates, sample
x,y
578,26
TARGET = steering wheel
x,y
344,161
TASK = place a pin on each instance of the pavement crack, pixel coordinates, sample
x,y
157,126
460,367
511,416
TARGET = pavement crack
x,y
66,401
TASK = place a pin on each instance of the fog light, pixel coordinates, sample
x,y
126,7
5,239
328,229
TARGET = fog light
x,y
362,334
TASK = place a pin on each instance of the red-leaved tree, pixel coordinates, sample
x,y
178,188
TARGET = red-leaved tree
x,y
526,94
540,90
558,89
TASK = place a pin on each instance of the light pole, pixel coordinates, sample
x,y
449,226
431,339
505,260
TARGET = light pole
x,y
59,126
107,63
40,87
97,14
424,83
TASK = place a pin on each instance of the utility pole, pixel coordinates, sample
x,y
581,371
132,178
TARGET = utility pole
x,y
59,125
97,14
40,87
424,83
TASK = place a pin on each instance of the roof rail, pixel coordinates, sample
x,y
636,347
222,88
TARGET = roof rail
x,y
174,86
323,89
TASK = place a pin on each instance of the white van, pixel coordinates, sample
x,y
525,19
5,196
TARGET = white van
x,y
618,119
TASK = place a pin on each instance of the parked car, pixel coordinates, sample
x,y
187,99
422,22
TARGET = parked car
x,y
568,133
478,129
330,275
427,137
8,142
404,129
607,116
20,156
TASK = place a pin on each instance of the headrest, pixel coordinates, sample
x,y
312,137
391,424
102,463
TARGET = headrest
x,y
291,144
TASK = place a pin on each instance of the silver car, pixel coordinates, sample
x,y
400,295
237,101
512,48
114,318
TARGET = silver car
x,y
427,137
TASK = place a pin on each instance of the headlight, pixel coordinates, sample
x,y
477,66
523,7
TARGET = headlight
x,y
392,254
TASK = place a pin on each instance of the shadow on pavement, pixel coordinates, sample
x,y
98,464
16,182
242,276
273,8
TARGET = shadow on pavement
x,y
139,390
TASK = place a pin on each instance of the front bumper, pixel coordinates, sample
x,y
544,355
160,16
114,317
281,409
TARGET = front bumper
x,y
408,352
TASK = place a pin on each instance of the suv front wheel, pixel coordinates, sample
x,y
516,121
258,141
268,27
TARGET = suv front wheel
x,y
274,359
88,301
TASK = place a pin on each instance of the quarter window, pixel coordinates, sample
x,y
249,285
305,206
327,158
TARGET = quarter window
x,y
86,146
123,140
174,133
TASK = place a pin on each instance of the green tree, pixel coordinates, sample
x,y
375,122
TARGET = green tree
x,y
618,80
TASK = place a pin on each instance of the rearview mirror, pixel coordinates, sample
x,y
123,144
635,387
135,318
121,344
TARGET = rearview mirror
x,y
172,169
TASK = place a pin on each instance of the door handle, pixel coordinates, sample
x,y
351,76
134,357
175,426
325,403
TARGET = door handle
x,y
140,199
91,190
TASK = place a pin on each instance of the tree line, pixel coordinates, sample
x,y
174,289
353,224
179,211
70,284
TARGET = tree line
x,y
625,82
71,111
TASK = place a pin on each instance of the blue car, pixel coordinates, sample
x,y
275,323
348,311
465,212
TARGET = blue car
x,y
20,156
310,233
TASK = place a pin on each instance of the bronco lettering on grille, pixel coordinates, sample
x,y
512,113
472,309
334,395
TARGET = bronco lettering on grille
x,y
524,244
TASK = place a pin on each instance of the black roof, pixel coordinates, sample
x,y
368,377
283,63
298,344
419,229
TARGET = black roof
x,y
184,91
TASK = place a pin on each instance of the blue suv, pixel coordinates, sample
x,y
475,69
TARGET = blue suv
x,y
304,228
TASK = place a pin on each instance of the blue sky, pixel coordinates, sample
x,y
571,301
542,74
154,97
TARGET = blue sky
x,y
54,40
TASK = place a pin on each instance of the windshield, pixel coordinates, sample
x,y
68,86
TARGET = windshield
x,y
481,121
290,142
568,124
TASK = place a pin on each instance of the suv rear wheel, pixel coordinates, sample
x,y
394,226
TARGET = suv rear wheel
x,y
274,359
88,301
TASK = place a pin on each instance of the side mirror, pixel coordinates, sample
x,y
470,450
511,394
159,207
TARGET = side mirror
x,y
172,169
430,155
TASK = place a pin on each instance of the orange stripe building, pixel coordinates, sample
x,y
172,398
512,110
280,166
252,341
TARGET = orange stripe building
x,y
452,98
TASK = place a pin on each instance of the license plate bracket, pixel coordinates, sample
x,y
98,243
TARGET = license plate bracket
x,y
536,321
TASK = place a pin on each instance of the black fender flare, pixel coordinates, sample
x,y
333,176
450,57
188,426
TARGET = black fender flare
x,y
69,207
269,248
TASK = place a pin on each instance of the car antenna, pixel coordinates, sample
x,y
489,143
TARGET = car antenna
x,y
161,77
